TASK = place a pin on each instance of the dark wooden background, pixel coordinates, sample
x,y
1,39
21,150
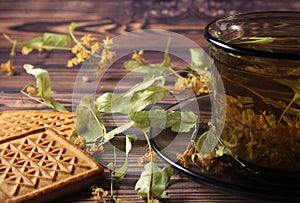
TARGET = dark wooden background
x,y
23,20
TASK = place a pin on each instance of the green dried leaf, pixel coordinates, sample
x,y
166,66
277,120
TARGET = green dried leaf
x,y
154,181
88,124
151,95
161,119
167,60
199,60
48,41
121,172
151,71
137,98
207,142
44,86
132,65
72,27
55,105
111,166
111,134
42,79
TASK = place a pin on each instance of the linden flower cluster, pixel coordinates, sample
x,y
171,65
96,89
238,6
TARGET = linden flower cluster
x,y
8,65
99,194
146,158
197,83
8,68
88,46
107,56
138,57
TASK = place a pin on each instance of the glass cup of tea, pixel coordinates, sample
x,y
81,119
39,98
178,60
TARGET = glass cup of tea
x,y
257,56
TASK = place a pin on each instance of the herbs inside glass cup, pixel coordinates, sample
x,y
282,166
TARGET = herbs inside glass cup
x,y
258,58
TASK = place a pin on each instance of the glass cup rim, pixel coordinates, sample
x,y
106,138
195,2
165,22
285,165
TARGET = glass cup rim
x,y
244,51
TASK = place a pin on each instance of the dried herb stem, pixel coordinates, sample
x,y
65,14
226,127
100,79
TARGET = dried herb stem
x,y
151,168
287,108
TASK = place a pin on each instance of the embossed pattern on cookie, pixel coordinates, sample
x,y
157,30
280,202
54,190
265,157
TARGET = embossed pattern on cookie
x,y
41,166
18,122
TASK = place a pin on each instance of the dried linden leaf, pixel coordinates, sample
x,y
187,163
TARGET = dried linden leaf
x,y
88,124
44,86
154,181
48,41
161,119
121,172
135,99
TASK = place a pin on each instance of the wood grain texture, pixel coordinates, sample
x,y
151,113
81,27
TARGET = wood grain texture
x,y
23,20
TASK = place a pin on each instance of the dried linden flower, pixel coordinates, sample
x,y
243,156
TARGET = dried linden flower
x,y
80,142
181,84
108,43
139,57
26,50
88,40
147,157
95,47
76,48
31,90
70,64
8,68
99,193
86,79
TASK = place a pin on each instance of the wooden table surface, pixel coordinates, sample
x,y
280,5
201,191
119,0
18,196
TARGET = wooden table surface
x,y
23,20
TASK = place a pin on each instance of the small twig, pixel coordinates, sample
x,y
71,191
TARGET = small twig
x,y
29,96
265,119
287,108
151,162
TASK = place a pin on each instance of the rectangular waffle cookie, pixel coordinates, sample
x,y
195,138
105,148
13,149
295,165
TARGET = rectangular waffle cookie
x,y
17,122
41,165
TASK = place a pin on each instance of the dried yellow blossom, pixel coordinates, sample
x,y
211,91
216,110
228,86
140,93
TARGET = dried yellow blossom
x,y
31,90
88,40
96,149
196,83
86,78
76,49
75,61
99,193
95,47
181,84
80,142
139,57
107,57
26,50
8,68
147,157
70,63
108,43
82,56
259,138
102,63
